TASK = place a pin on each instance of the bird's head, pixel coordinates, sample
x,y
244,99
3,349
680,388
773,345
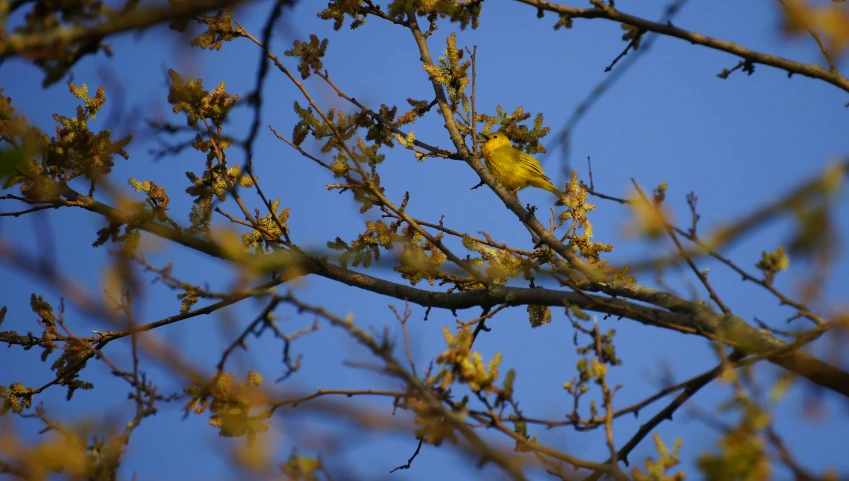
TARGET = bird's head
x,y
494,140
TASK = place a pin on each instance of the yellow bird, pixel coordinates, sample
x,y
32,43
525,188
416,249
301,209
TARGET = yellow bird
x,y
512,167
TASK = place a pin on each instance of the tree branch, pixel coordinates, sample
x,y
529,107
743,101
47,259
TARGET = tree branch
x,y
678,315
24,44
833,77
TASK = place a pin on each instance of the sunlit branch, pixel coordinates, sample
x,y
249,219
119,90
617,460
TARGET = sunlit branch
x,y
678,315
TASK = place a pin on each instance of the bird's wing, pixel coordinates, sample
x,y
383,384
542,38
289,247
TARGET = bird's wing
x,y
527,161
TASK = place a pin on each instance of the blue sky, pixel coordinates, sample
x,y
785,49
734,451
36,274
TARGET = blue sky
x,y
736,143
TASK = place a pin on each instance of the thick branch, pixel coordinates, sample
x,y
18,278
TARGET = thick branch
x,y
680,316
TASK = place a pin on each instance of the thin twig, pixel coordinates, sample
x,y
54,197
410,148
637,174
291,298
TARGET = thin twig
x,y
410,461
671,231
831,65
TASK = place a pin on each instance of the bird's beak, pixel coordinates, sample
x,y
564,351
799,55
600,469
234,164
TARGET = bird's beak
x,y
483,136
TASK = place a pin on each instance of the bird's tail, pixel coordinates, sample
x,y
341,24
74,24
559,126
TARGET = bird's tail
x,y
547,185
